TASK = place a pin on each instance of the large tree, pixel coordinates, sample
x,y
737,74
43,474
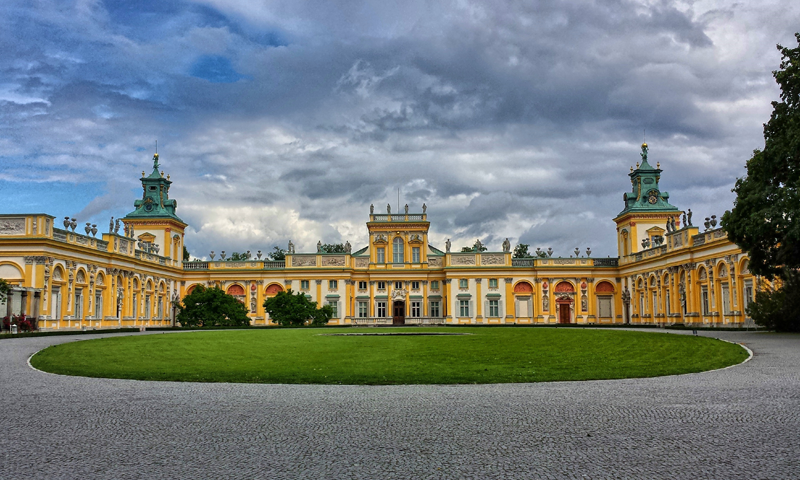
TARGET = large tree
x,y
277,254
333,248
765,220
287,308
211,307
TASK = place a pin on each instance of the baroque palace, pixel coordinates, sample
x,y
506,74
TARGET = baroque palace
x,y
667,272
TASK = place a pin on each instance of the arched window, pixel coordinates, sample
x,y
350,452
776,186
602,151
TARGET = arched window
x,y
237,292
523,288
397,250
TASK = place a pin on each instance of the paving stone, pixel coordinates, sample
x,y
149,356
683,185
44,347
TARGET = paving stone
x,y
739,422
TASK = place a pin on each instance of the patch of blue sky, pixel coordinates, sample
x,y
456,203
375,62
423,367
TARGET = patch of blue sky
x,y
215,69
61,198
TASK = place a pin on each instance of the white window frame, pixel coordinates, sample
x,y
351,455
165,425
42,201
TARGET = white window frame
x,y
416,309
397,250
334,304
381,255
494,308
435,308
415,254
463,308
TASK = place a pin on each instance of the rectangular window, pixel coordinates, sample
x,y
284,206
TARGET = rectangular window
x,y
494,308
363,309
463,308
748,295
492,283
435,309
463,283
381,285
398,285
335,306
381,309
726,300
415,254
381,255
397,251
415,309
704,297
303,284
78,303
655,303
669,308
98,305
435,285
642,309
362,285
414,285
333,284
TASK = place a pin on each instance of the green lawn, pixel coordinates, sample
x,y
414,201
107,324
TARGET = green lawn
x,y
488,355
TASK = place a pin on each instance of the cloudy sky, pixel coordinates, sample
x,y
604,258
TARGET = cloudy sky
x,y
282,120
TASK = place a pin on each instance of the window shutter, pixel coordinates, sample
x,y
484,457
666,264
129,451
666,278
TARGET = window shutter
x,y
486,312
500,309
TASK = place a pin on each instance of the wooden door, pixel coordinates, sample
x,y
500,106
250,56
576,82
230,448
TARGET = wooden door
x,y
399,313
563,313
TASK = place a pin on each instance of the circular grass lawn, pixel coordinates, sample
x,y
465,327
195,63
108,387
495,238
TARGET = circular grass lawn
x,y
487,355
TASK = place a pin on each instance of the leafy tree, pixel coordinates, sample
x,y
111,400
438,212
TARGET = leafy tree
x,y
466,249
287,308
277,254
521,251
778,308
765,220
211,307
238,257
186,255
5,289
333,248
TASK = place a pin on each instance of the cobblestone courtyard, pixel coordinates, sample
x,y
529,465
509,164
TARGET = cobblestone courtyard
x,y
740,422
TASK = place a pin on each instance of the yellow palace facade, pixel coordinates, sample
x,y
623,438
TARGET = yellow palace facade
x,y
667,272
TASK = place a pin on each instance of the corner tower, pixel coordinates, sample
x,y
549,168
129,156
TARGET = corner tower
x,y
647,208
154,219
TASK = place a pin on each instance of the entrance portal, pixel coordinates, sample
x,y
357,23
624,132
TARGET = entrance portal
x,y
399,313
564,312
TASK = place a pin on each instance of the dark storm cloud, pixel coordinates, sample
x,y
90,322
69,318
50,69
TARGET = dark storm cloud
x,y
286,120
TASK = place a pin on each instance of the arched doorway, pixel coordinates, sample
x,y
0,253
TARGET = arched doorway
x,y
565,293
399,313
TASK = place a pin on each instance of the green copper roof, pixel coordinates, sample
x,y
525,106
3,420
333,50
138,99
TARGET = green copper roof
x,y
645,195
155,201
